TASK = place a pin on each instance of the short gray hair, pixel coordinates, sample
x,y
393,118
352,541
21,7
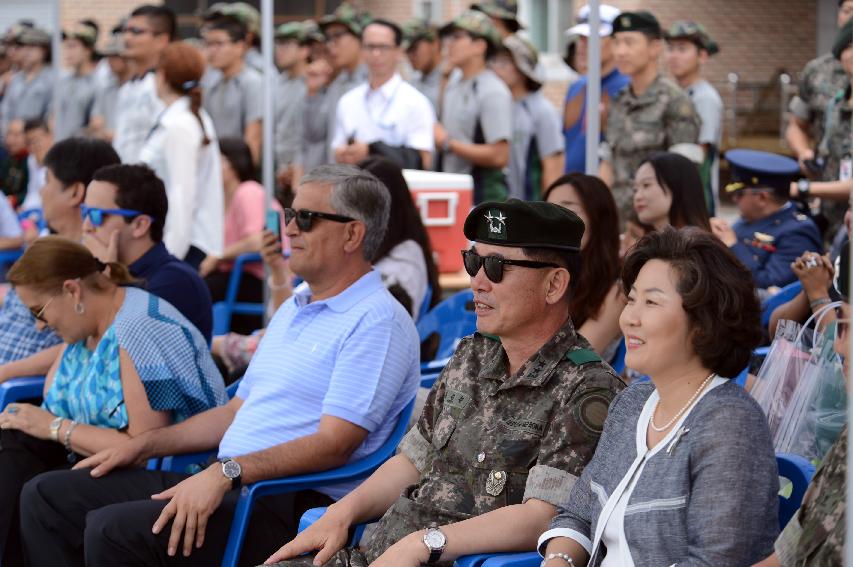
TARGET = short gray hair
x,y
358,194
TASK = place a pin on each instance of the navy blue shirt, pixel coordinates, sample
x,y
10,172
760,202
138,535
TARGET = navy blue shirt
x,y
175,281
575,135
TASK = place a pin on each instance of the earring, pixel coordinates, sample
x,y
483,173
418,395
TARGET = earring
x,y
79,308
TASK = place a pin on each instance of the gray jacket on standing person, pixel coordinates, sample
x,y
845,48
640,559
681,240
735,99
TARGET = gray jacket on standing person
x,y
707,496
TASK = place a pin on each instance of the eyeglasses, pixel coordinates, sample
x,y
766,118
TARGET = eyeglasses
x,y
494,265
96,215
305,218
39,315
379,47
335,37
133,30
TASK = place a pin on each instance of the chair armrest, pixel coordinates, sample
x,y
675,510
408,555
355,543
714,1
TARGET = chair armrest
x,y
189,463
314,514
526,559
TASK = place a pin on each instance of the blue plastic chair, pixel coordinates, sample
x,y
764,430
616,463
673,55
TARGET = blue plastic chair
x,y
799,471
16,389
356,470
618,361
224,310
452,319
785,295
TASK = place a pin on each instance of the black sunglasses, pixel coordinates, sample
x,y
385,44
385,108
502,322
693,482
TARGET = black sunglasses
x,y
494,265
305,218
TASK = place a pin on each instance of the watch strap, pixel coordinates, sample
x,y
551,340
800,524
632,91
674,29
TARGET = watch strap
x,y
434,556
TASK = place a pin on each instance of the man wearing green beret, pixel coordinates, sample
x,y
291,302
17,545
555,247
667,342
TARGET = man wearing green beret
x,y
475,125
820,80
78,87
508,426
689,48
651,114
423,47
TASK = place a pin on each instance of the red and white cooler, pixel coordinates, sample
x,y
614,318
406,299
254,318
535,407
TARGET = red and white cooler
x,y
444,200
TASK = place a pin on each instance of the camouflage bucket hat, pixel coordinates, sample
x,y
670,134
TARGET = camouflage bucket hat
x,y
34,36
475,23
290,30
114,46
348,16
85,33
244,13
525,57
692,31
312,32
506,10
417,29
14,32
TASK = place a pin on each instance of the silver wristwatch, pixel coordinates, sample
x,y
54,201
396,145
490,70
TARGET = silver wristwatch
x,y
435,541
232,471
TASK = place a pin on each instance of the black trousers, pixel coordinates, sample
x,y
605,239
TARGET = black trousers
x,y
68,515
21,458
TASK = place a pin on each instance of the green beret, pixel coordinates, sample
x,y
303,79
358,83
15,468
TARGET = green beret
x,y
843,39
641,21
525,224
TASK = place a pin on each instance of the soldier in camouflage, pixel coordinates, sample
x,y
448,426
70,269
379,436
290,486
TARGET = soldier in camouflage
x,y
509,425
651,114
820,81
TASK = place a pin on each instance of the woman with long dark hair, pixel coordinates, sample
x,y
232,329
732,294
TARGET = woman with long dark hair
x,y
597,301
180,150
668,192
402,267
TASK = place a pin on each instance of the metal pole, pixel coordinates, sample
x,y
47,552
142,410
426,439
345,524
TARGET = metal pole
x,y
593,90
848,548
268,115
55,57
784,86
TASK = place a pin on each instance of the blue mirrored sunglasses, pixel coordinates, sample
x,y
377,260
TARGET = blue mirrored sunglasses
x,y
96,215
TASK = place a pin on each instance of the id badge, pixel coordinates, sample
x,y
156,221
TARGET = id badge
x,y
845,172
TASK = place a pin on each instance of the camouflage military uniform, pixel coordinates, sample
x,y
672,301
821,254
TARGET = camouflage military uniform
x,y
834,147
820,80
638,126
486,440
817,539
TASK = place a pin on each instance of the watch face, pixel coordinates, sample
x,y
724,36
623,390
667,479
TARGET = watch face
x,y
231,469
434,539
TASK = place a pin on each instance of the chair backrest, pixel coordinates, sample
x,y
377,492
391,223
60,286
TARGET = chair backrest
x,y
785,295
223,310
17,389
799,471
451,320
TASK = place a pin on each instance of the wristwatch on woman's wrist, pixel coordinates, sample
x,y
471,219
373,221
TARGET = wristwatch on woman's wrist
x,y
54,429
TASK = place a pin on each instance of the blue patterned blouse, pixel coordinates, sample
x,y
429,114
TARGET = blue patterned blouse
x,y
169,354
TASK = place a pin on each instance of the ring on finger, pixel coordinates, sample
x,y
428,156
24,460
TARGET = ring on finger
x,y
12,409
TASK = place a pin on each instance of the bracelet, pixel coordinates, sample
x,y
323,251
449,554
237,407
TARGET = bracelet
x,y
277,287
68,431
815,303
564,556
445,147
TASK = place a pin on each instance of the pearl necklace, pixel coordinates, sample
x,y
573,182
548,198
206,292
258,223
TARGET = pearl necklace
x,y
682,410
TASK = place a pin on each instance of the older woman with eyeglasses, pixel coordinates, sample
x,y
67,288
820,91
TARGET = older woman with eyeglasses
x,y
131,363
684,472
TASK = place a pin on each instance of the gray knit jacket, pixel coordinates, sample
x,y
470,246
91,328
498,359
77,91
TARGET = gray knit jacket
x,y
711,500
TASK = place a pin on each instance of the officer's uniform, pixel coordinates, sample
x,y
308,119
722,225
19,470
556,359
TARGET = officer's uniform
x,y
486,439
638,126
769,245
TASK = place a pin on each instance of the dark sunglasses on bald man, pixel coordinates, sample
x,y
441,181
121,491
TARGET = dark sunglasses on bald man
x,y
494,265
305,218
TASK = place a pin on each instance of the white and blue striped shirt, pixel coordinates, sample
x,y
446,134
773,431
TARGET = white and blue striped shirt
x,y
353,356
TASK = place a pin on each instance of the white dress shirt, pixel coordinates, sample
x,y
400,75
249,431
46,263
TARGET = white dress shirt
x,y
396,113
193,177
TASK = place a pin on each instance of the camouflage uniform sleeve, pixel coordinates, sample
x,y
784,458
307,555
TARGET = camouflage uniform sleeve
x,y
682,122
571,438
799,105
788,541
416,444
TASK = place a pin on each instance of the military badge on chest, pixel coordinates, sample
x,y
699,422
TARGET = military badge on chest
x,y
763,241
495,483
